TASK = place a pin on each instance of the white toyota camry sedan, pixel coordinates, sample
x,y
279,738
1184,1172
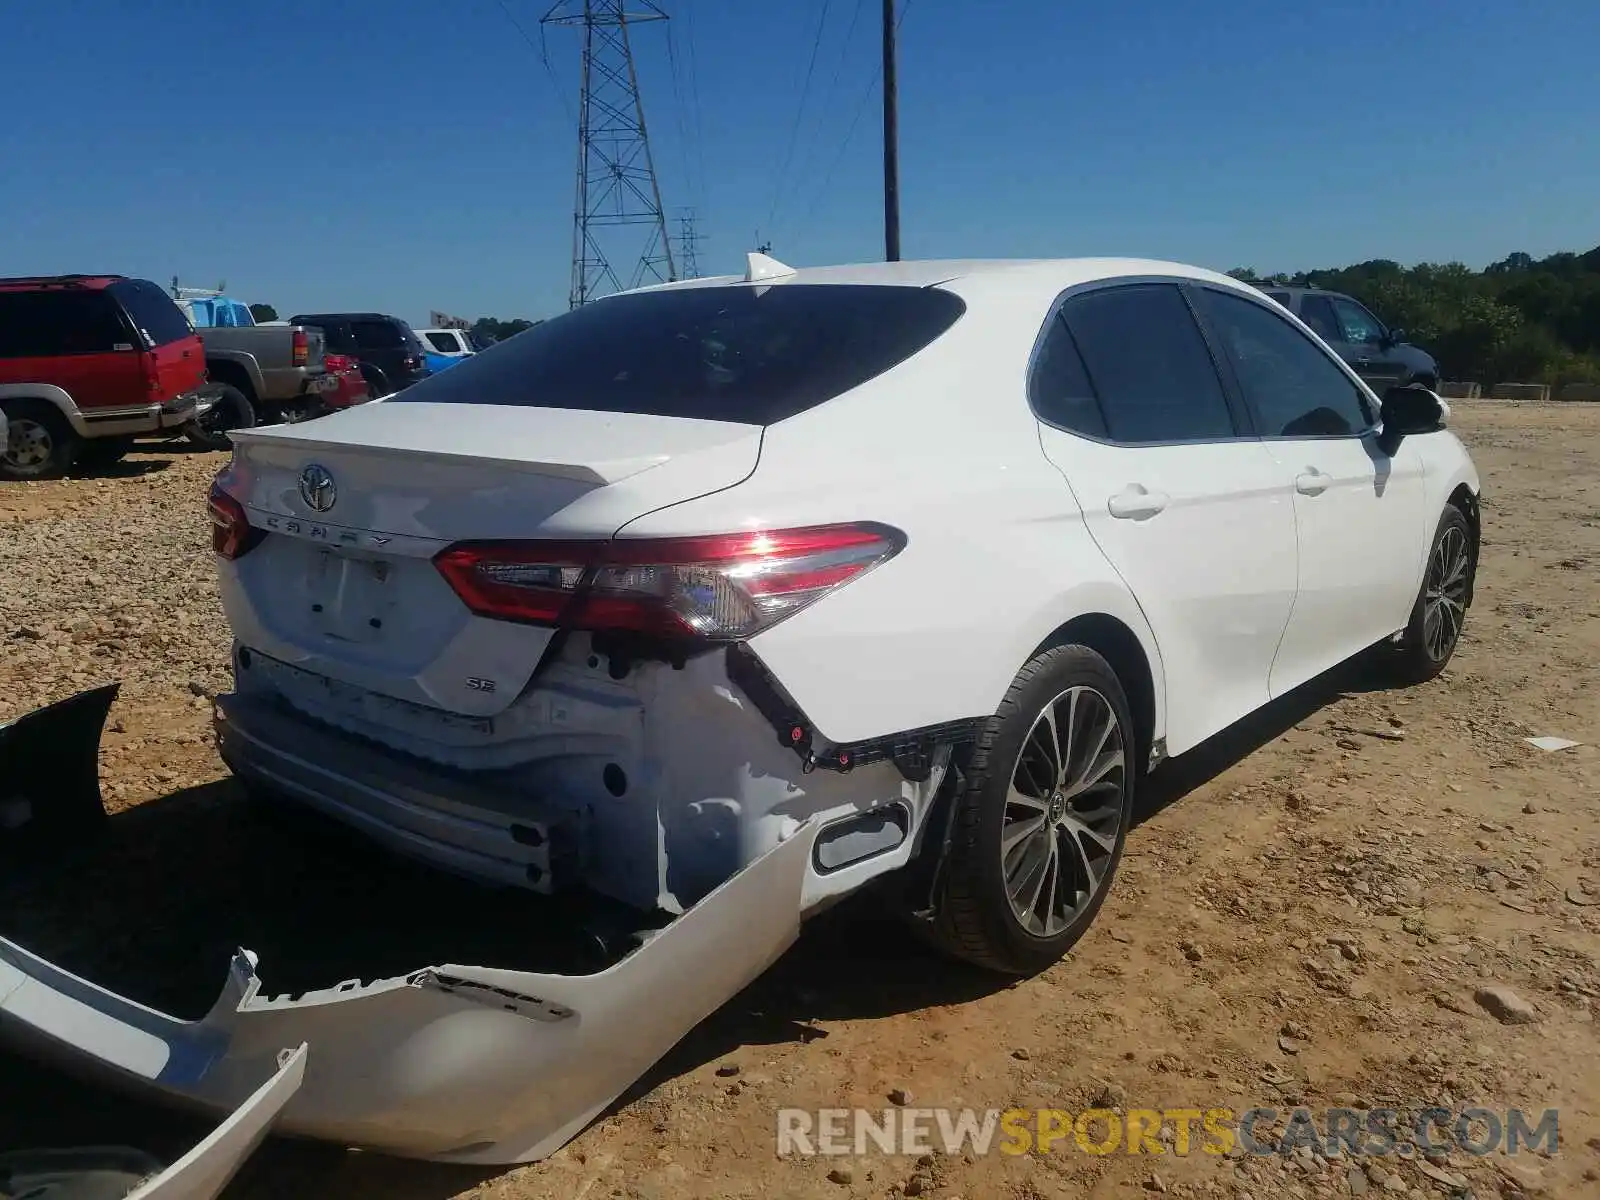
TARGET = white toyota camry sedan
x,y
623,602
723,598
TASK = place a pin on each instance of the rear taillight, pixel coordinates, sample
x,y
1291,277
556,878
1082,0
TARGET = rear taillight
x,y
302,348
231,533
721,588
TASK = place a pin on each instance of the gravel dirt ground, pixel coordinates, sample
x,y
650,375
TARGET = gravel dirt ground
x,y
1308,911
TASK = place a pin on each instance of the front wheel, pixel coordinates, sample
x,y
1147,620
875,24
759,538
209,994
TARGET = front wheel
x,y
1434,631
1039,825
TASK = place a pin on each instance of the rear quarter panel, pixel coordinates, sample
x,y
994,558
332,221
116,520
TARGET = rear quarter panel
x,y
944,448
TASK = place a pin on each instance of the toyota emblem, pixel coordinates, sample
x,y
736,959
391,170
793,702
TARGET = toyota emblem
x,y
317,488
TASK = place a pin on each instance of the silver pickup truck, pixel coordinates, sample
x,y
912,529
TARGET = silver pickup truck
x,y
265,373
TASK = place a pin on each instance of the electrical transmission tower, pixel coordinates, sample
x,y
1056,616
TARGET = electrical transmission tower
x,y
688,242
617,186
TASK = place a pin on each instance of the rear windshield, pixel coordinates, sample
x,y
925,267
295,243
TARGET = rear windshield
x,y
717,353
152,310
379,335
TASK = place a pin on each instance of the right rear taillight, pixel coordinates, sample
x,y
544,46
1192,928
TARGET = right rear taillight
x,y
231,532
302,348
725,587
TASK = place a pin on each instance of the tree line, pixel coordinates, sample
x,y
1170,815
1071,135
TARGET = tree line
x,y
1519,320
492,329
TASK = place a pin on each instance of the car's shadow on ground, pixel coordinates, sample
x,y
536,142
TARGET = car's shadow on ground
x,y
126,468
154,906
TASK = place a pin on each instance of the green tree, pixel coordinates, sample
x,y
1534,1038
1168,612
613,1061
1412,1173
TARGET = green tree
x,y
496,330
263,312
1518,320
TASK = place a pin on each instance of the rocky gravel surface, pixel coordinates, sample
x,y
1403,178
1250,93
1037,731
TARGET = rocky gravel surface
x,y
1363,898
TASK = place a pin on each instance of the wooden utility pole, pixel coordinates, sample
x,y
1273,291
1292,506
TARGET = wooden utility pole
x,y
891,142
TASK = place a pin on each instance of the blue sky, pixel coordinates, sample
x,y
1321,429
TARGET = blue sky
x,y
403,156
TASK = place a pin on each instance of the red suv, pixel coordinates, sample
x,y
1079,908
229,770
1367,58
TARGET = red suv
x,y
88,362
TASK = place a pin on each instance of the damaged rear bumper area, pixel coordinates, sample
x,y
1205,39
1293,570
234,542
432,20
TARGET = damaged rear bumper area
x,y
454,1063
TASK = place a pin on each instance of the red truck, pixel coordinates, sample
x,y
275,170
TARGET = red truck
x,y
88,363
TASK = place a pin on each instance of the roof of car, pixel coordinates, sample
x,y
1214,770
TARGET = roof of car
x,y
1296,289
1056,273
342,316
23,283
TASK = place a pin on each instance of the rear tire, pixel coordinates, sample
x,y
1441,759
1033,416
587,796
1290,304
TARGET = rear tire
x,y
1434,631
377,381
39,445
1039,824
232,410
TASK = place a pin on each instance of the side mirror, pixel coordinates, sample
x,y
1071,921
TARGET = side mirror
x,y
1408,411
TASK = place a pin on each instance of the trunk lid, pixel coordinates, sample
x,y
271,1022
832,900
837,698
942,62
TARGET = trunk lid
x,y
356,505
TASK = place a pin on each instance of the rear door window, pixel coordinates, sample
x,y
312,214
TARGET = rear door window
x,y
1148,363
152,310
728,352
1316,312
50,323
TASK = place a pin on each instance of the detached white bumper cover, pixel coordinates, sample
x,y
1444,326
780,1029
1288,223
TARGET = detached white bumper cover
x,y
462,1064
202,1173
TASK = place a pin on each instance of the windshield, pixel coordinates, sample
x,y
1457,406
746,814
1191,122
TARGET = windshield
x,y
718,352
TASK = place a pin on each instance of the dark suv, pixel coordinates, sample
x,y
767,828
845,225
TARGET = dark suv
x,y
391,355
87,363
1378,354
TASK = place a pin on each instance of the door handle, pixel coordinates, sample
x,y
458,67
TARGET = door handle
x,y
1312,482
1136,502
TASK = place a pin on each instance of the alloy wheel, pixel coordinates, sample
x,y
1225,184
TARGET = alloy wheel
x,y
1445,595
1063,811
29,445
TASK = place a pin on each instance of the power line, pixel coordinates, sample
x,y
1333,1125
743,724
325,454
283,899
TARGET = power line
x,y
694,92
683,132
794,132
542,51
838,72
850,132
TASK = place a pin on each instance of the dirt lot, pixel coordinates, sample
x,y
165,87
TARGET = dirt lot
x,y
1306,912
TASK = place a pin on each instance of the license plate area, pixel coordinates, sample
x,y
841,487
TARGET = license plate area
x,y
351,596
